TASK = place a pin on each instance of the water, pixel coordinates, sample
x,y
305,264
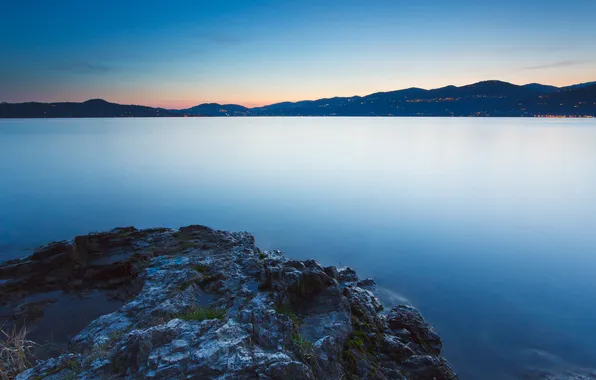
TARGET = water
x,y
487,225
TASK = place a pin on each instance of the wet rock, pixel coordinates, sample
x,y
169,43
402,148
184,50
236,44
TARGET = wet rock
x,y
31,311
332,272
62,367
305,284
347,274
396,348
363,302
11,269
407,317
207,304
366,283
427,367
101,243
289,370
52,249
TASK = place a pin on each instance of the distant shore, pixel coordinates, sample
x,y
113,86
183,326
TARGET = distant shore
x,y
483,99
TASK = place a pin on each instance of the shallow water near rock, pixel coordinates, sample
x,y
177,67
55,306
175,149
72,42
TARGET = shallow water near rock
x,y
67,316
486,225
54,318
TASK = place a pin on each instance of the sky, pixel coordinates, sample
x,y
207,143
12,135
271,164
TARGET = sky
x,y
179,54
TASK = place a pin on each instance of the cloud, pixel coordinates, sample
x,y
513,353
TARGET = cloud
x,y
85,68
550,65
525,48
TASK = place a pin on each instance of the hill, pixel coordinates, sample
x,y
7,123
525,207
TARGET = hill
x,y
488,98
90,108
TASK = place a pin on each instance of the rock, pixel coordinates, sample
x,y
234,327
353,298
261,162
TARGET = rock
x,y
406,317
347,274
31,311
50,250
366,283
289,370
427,367
207,304
363,302
396,348
332,272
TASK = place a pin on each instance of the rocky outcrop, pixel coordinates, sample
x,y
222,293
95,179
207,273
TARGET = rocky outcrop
x,y
206,304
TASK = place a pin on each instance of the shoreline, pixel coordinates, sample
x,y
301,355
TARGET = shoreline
x,y
309,116
201,303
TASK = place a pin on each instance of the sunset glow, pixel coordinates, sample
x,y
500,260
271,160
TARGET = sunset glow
x,y
257,53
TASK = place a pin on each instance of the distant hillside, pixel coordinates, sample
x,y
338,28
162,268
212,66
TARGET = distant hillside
x,y
214,109
489,98
580,85
541,87
90,108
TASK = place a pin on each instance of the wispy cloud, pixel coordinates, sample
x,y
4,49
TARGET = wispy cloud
x,y
84,68
550,65
537,48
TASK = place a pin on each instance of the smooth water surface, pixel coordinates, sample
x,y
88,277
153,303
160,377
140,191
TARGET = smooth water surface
x,y
487,225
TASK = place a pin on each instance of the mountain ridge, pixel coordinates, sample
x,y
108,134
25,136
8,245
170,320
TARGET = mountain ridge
x,y
485,98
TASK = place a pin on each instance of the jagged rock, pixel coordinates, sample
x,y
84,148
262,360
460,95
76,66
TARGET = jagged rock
x,y
208,304
332,272
347,274
287,370
427,367
363,302
366,283
50,250
406,317
396,348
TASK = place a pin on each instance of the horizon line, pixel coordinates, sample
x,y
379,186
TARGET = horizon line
x,y
302,100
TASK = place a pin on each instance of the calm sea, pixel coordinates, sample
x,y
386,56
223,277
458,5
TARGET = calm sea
x,y
487,225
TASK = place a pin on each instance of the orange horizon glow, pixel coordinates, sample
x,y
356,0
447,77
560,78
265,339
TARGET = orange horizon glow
x,y
263,53
145,99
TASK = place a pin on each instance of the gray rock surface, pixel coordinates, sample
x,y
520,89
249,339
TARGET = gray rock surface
x,y
206,304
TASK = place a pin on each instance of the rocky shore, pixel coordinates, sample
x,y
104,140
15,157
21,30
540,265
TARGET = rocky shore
x,y
197,303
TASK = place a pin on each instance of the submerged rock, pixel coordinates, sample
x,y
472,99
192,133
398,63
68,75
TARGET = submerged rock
x,y
206,304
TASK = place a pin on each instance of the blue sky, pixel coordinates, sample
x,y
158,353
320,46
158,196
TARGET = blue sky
x,y
182,53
